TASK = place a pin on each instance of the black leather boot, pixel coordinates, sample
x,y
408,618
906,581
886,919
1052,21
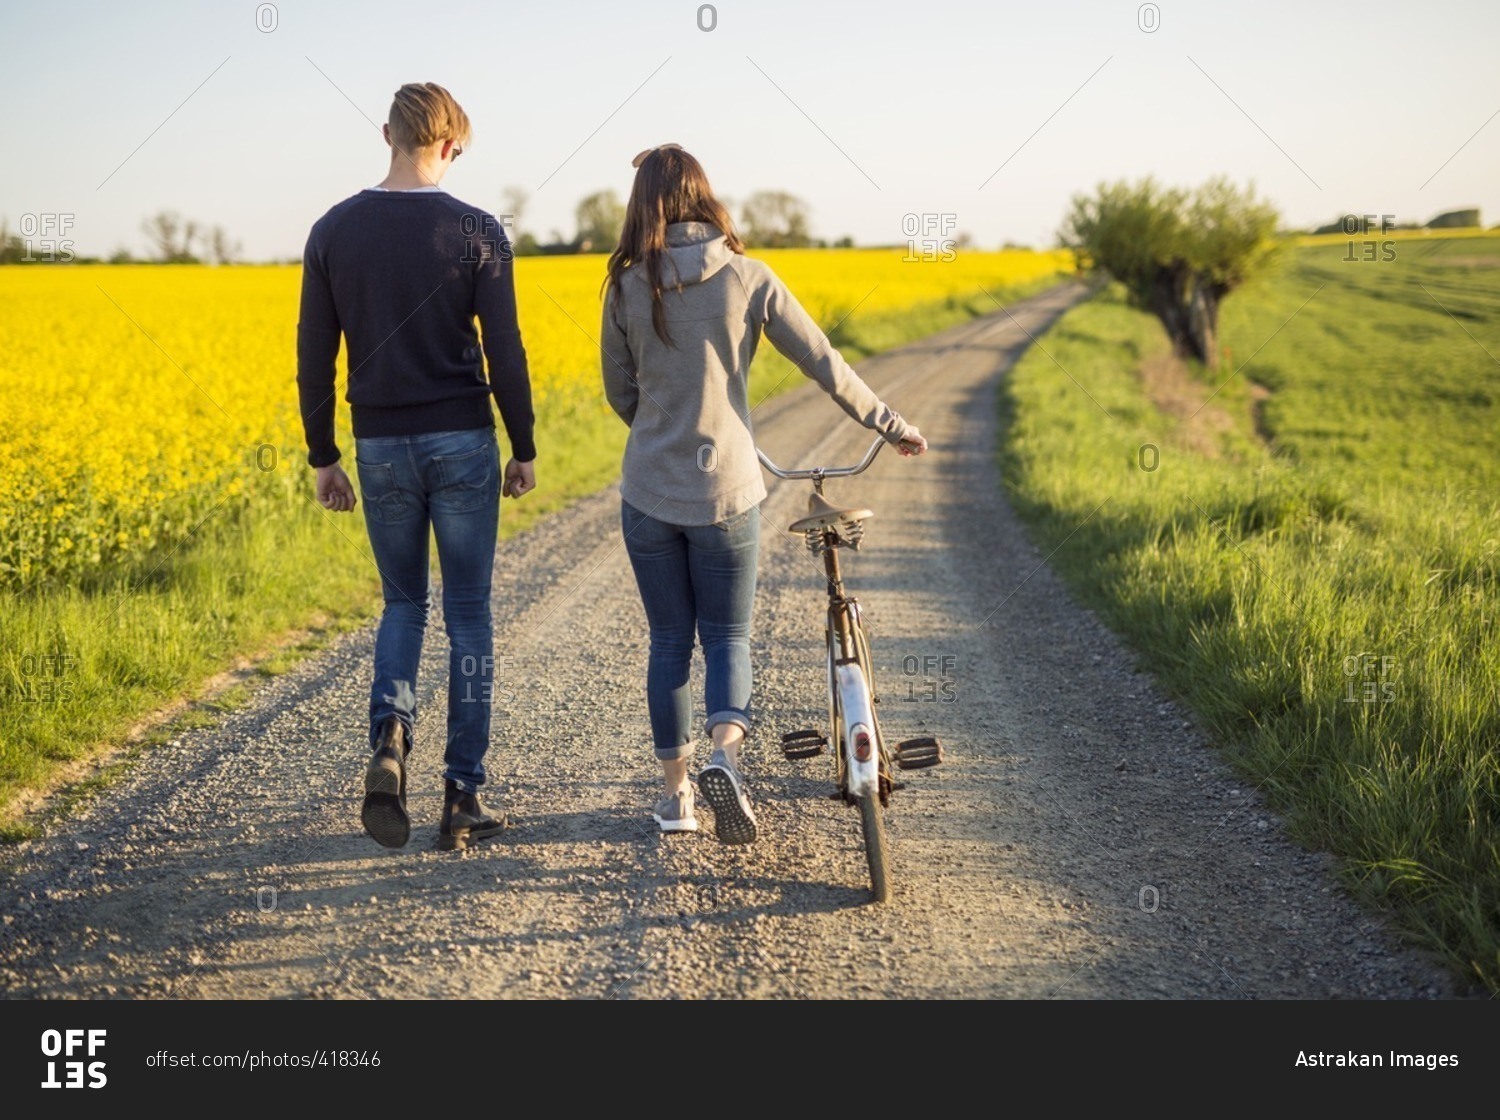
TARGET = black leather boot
x,y
465,819
384,812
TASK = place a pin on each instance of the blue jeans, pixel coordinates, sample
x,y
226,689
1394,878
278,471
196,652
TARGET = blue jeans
x,y
694,577
448,484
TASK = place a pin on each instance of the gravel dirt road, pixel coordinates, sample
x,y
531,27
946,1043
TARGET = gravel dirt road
x,y
1081,841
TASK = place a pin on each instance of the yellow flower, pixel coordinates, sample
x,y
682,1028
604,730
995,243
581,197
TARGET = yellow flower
x,y
143,473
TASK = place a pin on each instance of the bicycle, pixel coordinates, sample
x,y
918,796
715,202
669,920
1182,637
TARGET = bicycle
x,y
864,764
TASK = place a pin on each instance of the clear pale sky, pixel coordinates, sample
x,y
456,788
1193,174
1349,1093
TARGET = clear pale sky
x,y
920,104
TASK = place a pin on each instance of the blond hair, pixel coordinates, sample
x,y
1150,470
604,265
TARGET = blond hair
x,y
423,114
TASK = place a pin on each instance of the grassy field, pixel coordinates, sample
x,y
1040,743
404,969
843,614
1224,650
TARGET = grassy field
x,y
1304,547
156,516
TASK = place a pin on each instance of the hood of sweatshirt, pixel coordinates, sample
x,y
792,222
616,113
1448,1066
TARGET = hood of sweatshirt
x,y
696,250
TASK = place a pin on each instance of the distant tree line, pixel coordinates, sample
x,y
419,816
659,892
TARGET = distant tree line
x,y
767,220
178,240
173,239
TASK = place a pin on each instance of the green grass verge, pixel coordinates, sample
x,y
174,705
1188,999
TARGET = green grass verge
x,y
81,665
1303,546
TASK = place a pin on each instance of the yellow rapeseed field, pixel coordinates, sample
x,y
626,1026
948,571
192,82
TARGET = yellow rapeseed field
x,y
141,400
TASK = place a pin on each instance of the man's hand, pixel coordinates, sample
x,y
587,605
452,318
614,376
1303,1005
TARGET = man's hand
x,y
335,491
520,478
913,443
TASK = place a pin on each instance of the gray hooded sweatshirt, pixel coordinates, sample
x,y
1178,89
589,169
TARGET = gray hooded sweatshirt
x,y
690,457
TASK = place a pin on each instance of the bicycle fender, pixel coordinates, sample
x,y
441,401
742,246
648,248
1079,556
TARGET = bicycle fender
x,y
859,733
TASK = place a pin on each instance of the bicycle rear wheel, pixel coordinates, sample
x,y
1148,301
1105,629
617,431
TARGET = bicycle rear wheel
x,y
872,823
871,812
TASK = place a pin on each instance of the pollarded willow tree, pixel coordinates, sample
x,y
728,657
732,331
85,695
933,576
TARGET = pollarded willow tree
x,y
1178,252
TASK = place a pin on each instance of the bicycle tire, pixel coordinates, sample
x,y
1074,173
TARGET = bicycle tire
x,y
871,817
872,824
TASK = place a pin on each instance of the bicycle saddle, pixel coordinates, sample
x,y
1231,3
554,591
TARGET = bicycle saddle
x,y
823,514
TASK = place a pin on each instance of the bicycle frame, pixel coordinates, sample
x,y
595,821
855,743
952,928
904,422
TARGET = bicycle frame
x,y
851,697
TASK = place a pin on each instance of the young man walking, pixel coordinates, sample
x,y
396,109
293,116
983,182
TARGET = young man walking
x,y
401,271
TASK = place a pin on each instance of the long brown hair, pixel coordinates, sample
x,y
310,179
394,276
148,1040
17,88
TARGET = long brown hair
x,y
670,186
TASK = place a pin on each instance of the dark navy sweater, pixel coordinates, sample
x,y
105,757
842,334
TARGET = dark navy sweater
x,y
401,276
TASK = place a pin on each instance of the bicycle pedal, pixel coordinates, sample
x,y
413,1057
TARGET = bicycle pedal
x,y
804,744
919,753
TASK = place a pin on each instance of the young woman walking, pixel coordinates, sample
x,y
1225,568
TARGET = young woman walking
x,y
684,310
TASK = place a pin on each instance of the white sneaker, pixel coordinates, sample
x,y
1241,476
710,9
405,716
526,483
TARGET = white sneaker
x,y
675,813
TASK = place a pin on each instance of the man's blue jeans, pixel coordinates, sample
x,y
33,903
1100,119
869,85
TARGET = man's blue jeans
x,y
694,577
446,484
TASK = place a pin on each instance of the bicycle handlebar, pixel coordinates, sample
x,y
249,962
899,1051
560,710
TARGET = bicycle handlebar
x,y
823,472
